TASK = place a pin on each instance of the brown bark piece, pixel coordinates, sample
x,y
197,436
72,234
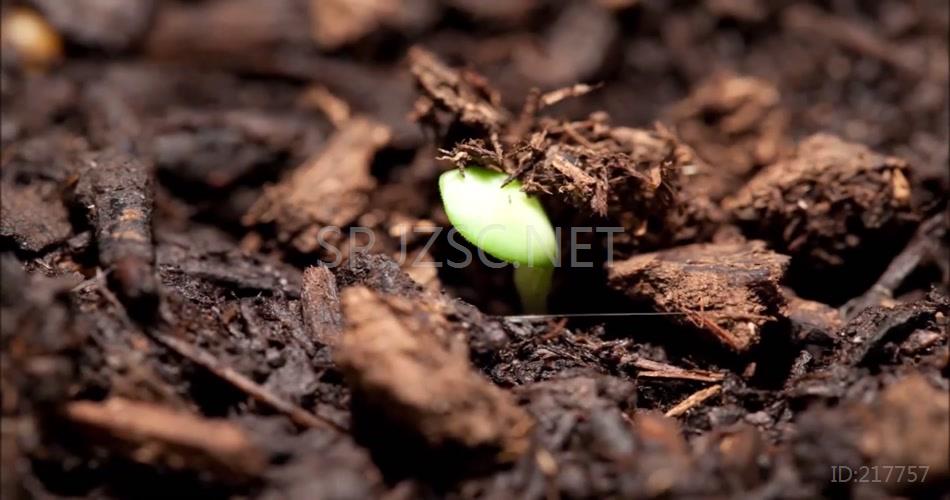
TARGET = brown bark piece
x,y
873,330
329,190
811,319
35,174
736,124
321,305
831,203
632,178
462,93
151,434
407,369
336,109
33,216
654,369
728,290
669,459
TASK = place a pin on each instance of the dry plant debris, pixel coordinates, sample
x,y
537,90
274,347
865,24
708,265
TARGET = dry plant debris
x,y
462,93
625,176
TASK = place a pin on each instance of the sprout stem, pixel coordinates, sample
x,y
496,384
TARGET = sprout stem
x,y
507,223
533,284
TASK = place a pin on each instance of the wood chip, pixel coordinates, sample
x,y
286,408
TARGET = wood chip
x,y
729,290
654,369
693,400
154,435
330,190
833,207
408,369
321,305
33,216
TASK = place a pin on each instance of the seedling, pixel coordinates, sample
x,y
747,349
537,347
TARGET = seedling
x,y
505,223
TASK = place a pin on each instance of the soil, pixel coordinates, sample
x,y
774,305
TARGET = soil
x,y
211,210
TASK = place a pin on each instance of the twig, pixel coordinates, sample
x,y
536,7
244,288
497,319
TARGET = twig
x,y
556,96
685,375
537,317
655,369
693,400
923,248
205,359
96,280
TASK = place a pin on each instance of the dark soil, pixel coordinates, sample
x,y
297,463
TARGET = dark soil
x,y
211,210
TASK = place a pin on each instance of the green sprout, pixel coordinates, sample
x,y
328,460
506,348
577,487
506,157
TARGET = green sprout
x,y
506,223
